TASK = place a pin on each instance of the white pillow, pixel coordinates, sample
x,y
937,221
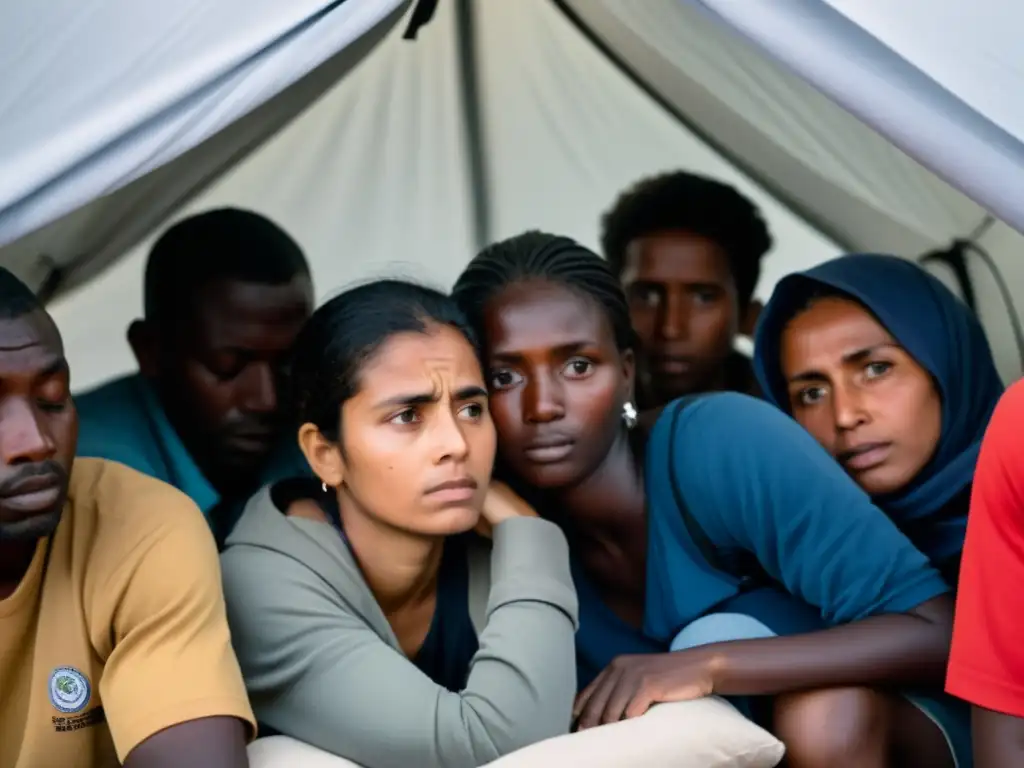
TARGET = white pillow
x,y
704,733
286,752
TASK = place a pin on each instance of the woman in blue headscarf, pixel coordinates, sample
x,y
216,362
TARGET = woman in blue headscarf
x,y
893,375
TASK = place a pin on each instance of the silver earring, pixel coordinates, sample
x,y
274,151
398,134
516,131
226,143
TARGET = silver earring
x,y
324,486
629,414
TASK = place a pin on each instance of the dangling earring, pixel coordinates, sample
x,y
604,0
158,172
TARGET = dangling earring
x,y
324,486
629,414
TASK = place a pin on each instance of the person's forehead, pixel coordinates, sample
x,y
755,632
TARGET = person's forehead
x,y
29,344
543,315
416,363
830,330
234,313
676,256
252,301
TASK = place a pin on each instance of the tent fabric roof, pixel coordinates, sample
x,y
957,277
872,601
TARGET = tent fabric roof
x,y
972,50
99,95
499,117
931,75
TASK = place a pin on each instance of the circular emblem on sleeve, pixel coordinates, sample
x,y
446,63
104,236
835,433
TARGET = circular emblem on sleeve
x,y
69,690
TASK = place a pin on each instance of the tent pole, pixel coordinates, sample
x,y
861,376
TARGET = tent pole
x,y
472,121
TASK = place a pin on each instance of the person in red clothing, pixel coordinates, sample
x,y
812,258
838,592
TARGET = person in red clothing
x,y
986,665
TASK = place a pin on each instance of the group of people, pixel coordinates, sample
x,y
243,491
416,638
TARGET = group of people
x,y
430,529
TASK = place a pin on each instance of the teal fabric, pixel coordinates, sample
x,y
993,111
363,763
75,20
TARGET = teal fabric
x,y
124,421
755,482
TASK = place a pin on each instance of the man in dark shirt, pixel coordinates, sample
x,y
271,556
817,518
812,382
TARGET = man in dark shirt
x,y
226,292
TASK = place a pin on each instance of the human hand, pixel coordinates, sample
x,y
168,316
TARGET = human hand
x,y
631,685
501,503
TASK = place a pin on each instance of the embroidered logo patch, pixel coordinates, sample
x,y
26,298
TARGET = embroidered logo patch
x,y
69,690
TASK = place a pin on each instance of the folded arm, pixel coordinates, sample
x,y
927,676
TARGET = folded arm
x,y
319,673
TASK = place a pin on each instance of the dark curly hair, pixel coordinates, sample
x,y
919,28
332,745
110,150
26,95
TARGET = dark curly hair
x,y
693,203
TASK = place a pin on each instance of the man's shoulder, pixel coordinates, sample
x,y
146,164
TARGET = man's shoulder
x,y
124,507
127,542
116,422
112,395
111,417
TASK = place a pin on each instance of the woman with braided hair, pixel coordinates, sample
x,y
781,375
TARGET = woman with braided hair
x,y
720,551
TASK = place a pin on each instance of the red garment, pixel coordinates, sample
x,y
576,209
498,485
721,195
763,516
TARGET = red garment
x,y
986,666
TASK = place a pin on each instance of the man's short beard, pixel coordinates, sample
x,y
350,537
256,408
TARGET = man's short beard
x,y
31,529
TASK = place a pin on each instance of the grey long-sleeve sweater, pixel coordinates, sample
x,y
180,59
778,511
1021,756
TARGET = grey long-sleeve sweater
x,y
322,665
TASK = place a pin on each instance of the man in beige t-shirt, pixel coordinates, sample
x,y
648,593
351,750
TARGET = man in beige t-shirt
x,y
114,645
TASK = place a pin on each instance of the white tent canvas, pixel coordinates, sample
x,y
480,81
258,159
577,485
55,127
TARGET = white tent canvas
x,y
400,157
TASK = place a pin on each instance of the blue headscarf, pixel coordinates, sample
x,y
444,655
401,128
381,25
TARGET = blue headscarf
x,y
935,328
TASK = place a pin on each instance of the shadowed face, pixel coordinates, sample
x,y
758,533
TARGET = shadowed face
x,y
683,304
219,380
557,379
860,394
38,427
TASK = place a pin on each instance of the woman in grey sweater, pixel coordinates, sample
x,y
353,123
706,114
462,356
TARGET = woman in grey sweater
x,y
370,619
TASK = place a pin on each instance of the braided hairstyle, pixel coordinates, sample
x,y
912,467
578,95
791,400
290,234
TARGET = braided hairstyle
x,y
541,256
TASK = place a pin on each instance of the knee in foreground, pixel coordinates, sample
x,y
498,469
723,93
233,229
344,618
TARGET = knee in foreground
x,y
833,728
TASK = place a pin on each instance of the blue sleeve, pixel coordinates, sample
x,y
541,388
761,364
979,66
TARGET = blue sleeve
x,y
755,480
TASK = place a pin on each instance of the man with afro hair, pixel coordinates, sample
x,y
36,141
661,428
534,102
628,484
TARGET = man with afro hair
x,y
688,251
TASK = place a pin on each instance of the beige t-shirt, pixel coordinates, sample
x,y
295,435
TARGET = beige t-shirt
x,y
118,629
